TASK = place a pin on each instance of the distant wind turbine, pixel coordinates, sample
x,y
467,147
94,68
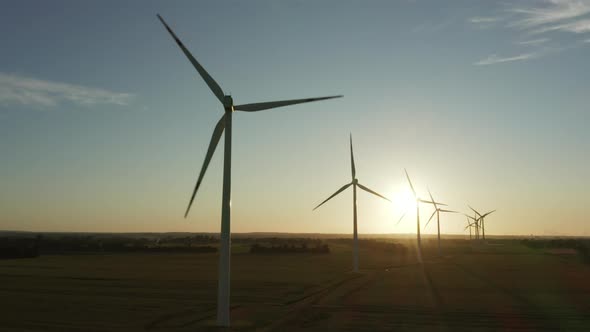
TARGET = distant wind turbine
x,y
482,221
475,224
437,211
469,225
354,183
225,123
418,201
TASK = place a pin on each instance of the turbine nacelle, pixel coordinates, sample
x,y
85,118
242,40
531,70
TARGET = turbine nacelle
x,y
355,181
228,103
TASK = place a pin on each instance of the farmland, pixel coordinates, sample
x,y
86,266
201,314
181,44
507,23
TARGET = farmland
x,y
502,285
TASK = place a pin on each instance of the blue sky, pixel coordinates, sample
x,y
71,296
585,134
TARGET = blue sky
x,y
104,123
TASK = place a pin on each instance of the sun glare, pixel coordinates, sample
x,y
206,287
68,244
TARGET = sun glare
x,y
403,201
403,204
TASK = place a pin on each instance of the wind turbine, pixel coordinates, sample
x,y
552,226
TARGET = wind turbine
x,y
469,225
483,225
437,211
478,216
225,123
354,183
418,201
475,224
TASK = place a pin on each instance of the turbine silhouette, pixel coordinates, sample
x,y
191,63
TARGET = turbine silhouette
x,y
354,183
476,221
482,221
437,211
225,124
483,225
418,201
469,225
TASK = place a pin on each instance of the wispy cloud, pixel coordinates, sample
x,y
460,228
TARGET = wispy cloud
x,y
533,42
579,26
484,20
550,12
494,59
543,18
15,89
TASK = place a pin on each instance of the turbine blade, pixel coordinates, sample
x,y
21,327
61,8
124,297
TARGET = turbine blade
x,y
432,199
487,214
255,107
449,211
474,210
217,91
400,219
372,192
468,223
431,202
410,182
334,194
212,145
431,216
352,159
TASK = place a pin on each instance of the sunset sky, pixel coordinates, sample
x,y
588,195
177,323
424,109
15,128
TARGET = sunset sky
x,y
104,123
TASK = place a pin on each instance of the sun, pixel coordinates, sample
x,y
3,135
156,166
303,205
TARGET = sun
x,y
403,201
403,204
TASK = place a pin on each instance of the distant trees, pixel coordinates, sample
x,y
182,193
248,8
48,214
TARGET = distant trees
x,y
289,246
376,245
317,246
13,247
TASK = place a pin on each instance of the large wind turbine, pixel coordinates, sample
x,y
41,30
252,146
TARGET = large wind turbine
x,y
354,183
418,201
225,123
437,211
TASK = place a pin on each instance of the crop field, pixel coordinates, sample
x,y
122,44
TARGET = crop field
x,y
502,285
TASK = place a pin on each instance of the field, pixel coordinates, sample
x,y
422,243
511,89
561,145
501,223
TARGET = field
x,y
502,285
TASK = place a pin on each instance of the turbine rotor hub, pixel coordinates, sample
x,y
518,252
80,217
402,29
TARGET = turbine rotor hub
x,y
228,103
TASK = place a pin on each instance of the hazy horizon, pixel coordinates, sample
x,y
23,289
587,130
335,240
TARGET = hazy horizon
x,y
409,236
104,124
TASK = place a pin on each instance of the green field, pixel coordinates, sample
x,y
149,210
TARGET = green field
x,y
499,286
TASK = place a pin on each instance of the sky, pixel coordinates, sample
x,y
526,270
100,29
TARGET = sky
x,y
104,123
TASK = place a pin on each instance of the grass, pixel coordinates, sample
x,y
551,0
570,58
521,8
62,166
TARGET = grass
x,y
472,288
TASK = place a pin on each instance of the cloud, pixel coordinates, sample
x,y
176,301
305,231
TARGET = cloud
x,y
550,12
542,17
533,42
15,89
494,59
580,26
484,20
